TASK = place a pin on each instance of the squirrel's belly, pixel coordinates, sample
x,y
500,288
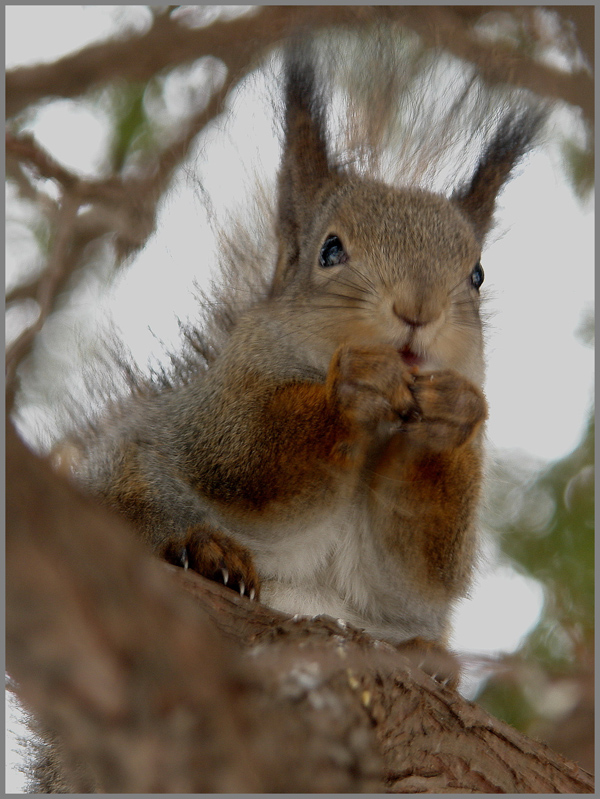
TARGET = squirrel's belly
x,y
317,600
307,600
332,569
315,567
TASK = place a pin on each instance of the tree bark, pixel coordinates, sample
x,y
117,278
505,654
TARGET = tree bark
x,y
151,679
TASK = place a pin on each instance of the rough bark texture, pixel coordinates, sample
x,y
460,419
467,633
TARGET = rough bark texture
x,y
153,679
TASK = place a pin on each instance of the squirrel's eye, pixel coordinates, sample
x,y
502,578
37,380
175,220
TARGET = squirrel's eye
x,y
477,276
332,252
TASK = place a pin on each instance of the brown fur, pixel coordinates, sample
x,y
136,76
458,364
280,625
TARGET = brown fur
x,y
346,397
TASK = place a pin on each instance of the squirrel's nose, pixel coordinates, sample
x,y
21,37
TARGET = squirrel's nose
x,y
410,322
414,318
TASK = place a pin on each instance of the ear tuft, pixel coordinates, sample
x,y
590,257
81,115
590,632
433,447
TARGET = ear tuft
x,y
513,138
305,147
305,166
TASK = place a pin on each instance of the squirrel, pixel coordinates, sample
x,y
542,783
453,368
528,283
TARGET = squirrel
x,y
329,460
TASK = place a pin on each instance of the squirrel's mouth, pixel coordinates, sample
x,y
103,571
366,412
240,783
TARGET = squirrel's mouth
x,y
411,358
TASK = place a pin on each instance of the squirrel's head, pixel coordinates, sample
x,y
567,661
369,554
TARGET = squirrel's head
x,y
373,264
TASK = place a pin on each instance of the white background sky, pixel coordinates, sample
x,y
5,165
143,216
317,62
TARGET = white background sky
x,y
539,282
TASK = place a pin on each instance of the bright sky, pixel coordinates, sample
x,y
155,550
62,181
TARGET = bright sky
x,y
539,281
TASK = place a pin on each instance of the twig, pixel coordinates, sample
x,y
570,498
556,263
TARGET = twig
x,y
25,148
442,27
129,209
46,289
127,202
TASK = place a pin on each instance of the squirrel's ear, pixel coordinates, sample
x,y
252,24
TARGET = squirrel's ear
x,y
304,167
513,138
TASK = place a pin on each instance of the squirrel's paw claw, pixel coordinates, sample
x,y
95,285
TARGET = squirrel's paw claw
x,y
185,561
215,556
434,659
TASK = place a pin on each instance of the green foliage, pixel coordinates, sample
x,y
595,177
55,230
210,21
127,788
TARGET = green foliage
x,y
132,129
561,556
550,537
505,700
579,167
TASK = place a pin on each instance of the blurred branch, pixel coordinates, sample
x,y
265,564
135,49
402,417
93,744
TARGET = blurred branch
x,y
25,149
132,198
166,44
451,28
47,289
237,43
123,207
579,23
114,652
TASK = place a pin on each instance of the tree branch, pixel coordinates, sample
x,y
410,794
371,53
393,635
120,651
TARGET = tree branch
x,y
444,26
237,42
46,293
151,688
125,207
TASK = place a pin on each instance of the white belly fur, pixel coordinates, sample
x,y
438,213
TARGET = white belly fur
x,y
335,569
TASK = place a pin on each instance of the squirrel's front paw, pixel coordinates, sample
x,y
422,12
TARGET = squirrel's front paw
x,y
215,556
451,409
371,384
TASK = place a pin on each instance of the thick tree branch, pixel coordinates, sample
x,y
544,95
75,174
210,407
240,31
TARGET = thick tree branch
x,y
129,673
134,679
